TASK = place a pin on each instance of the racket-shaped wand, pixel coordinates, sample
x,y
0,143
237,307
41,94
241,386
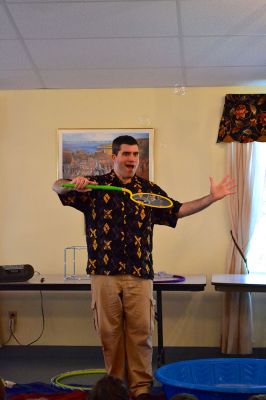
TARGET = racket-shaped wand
x,y
145,199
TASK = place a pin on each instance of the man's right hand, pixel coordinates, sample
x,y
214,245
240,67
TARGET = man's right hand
x,y
80,182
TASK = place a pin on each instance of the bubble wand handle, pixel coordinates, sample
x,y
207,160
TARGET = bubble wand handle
x,y
102,187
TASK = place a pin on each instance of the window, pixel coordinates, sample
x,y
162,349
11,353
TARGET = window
x,y
256,256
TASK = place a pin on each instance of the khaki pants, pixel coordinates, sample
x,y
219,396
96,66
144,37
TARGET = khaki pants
x,y
123,309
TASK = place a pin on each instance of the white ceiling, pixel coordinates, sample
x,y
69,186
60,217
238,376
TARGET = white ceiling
x,y
131,43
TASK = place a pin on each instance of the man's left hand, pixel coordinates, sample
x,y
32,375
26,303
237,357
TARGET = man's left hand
x,y
222,189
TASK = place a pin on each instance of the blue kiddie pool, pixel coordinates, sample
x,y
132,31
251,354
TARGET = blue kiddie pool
x,y
214,378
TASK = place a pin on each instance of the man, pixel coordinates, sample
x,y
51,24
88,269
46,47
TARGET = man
x,y
119,240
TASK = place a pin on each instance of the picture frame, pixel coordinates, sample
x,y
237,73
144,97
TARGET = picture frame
x,y
84,152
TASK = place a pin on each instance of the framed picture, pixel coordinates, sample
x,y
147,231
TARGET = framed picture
x,y
84,152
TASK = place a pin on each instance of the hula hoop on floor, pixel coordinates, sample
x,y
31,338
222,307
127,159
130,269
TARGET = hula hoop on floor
x,y
57,380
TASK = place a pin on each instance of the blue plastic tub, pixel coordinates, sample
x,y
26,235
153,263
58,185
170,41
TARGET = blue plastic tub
x,y
214,378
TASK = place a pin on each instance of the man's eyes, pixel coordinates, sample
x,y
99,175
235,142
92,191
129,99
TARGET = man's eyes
x,y
128,154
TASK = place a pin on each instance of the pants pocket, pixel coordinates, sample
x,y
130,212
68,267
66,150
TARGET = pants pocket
x,y
152,313
95,315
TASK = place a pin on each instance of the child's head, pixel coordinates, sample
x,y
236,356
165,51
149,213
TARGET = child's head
x,y
258,397
184,396
110,388
2,390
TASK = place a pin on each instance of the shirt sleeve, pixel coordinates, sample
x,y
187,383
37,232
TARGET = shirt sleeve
x,y
79,201
165,216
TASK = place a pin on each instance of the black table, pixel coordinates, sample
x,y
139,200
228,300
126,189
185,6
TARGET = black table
x,y
192,283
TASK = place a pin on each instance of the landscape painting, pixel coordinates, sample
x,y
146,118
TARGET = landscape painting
x,y
84,152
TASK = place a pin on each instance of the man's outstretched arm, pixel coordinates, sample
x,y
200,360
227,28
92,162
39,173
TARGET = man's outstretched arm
x,y
80,183
217,192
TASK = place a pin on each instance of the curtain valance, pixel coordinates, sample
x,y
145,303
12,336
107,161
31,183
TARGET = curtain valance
x,y
243,119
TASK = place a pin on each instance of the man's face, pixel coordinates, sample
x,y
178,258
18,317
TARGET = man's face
x,y
126,161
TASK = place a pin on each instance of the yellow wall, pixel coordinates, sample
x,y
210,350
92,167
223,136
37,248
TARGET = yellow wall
x,y
35,227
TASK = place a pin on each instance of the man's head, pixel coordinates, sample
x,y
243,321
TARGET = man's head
x,y
119,140
125,155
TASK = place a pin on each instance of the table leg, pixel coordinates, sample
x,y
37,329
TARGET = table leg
x,y
159,319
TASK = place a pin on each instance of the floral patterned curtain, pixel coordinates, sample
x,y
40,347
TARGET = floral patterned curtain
x,y
243,119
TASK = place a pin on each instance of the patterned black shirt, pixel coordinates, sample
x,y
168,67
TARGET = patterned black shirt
x,y
119,231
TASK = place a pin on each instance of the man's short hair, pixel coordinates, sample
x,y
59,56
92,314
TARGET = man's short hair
x,y
125,139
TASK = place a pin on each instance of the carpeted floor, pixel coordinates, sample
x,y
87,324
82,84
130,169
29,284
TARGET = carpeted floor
x,y
38,364
27,364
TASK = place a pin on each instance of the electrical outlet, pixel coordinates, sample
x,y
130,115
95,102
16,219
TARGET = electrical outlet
x,y
12,320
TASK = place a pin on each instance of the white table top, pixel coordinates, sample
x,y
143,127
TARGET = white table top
x,y
239,282
58,282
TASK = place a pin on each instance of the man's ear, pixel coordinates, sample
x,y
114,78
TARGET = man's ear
x,y
113,157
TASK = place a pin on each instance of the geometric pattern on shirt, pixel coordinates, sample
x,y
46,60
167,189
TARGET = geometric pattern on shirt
x,y
118,231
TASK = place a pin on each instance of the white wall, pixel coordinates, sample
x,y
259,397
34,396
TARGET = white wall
x,y
35,227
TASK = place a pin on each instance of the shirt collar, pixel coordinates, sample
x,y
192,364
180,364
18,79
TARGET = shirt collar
x,y
117,182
